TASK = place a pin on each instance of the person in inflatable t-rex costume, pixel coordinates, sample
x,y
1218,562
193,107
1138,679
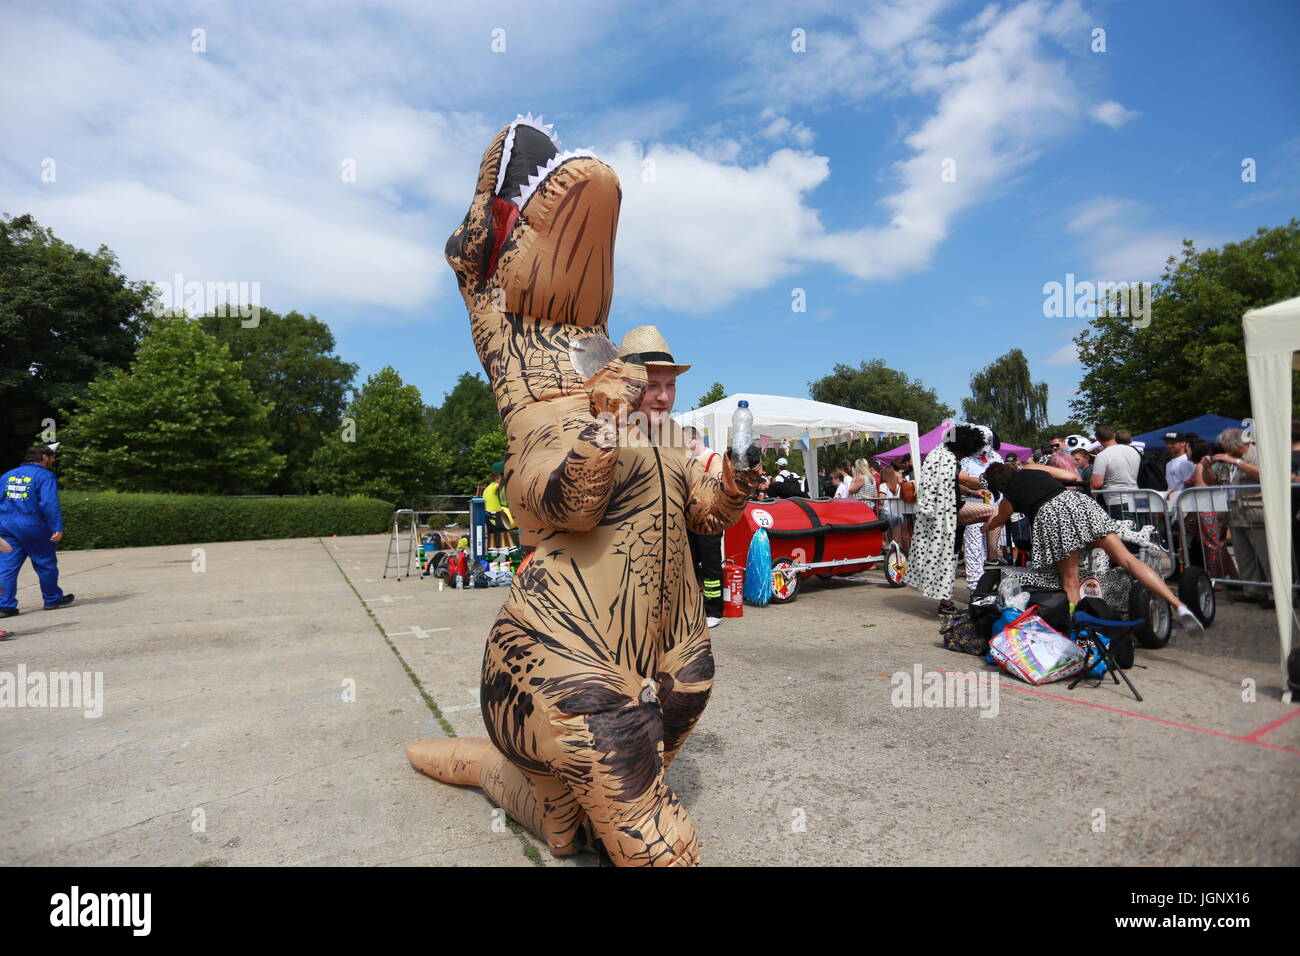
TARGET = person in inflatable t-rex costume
x,y
599,662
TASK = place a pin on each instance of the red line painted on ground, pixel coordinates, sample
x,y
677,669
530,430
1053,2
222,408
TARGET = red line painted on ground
x,y
1252,738
1271,725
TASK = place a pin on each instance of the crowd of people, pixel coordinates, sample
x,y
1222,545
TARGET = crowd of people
x,y
1099,472
1048,493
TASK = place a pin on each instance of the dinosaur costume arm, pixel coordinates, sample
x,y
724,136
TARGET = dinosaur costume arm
x,y
561,474
715,504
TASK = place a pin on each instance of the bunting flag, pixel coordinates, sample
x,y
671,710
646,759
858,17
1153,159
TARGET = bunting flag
x,y
805,441
785,445
764,442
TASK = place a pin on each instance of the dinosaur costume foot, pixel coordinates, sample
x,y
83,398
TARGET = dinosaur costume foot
x,y
658,835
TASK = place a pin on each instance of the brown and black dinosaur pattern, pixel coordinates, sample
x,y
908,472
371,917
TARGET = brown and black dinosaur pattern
x,y
599,663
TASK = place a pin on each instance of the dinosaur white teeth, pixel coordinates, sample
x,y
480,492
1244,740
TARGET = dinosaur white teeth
x,y
536,179
508,147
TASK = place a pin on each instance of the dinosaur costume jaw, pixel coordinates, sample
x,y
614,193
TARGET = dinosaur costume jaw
x,y
539,235
534,258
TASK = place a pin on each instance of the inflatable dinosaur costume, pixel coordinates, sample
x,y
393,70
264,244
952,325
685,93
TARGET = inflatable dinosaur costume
x,y
599,663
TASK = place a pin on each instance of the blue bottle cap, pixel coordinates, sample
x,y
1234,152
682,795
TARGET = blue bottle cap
x,y
742,404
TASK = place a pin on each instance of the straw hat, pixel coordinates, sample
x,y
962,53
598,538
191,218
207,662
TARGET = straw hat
x,y
646,344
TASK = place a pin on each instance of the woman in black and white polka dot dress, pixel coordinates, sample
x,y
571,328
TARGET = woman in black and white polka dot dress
x,y
1066,522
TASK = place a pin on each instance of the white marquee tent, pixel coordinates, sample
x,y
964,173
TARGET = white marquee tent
x,y
1272,341
807,424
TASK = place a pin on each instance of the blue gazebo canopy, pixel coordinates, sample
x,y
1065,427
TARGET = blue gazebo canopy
x,y
1207,426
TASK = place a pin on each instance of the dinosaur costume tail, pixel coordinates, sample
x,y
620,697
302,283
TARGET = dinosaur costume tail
x,y
475,762
452,760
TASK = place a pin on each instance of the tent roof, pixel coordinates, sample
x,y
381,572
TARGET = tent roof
x,y
1274,328
777,416
933,437
1207,426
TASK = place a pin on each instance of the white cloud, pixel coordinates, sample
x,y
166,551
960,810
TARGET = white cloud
x,y
1067,354
781,128
1117,243
1113,114
226,165
704,232
997,105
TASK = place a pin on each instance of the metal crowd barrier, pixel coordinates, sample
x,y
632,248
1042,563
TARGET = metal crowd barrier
x,y
899,513
426,506
1213,516
1142,506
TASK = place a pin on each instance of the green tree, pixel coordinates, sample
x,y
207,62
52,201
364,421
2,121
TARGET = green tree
x,y
874,387
288,359
467,411
182,418
1190,360
66,317
382,448
716,393
1006,398
489,448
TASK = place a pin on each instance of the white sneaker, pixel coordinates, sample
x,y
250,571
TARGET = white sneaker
x,y
1189,622
714,621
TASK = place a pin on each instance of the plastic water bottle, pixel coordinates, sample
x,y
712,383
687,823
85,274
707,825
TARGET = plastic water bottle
x,y
742,433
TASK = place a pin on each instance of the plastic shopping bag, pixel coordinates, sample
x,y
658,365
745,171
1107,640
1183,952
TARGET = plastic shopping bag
x,y
1030,649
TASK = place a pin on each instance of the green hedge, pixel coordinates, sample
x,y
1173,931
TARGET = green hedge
x,y
108,519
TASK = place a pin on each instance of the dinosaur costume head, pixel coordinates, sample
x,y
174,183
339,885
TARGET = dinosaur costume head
x,y
534,258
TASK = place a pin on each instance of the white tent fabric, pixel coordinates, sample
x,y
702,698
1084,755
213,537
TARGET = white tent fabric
x,y
1272,340
777,417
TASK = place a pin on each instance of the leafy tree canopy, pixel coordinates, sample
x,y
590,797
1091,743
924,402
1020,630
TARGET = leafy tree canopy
x,y
181,418
382,449
874,387
1190,360
1006,398
289,361
716,393
66,317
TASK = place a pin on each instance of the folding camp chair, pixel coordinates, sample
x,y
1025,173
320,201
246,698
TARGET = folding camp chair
x,y
1098,637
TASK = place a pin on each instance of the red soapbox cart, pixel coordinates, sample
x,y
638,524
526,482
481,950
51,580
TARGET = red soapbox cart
x,y
822,538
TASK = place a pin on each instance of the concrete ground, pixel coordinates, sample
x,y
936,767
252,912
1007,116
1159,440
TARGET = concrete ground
x,y
257,697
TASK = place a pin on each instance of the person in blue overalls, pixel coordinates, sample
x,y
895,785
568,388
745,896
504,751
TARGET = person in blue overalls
x,y
32,524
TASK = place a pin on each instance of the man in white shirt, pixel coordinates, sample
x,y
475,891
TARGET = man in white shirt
x,y
1180,468
785,474
1116,466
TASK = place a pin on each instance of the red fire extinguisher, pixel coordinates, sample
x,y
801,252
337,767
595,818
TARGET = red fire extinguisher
x,y
733,590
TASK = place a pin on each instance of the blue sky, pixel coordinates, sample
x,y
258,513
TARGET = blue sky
x,y
219,155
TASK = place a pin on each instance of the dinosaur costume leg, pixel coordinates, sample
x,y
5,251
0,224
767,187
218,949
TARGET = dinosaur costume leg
x,y
599,663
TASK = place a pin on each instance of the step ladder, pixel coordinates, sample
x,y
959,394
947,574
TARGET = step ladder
x,y
405,532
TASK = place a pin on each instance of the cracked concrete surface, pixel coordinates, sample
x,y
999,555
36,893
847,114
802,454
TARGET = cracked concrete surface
x,y
225,738
224,708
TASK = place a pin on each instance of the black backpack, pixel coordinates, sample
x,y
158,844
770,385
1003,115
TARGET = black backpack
x,y
779,487
1151,472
